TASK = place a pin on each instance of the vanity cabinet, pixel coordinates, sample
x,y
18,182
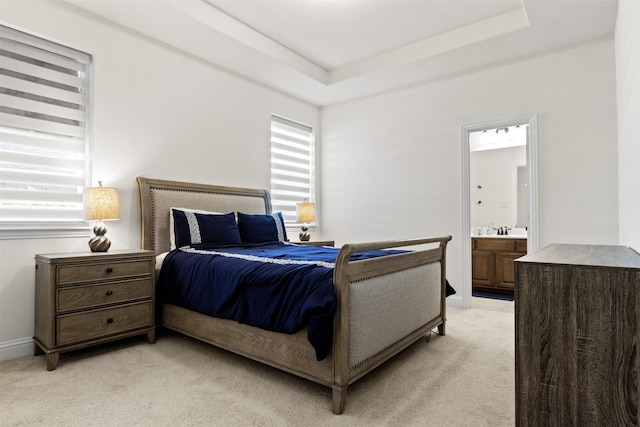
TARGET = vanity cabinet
x,y
492,262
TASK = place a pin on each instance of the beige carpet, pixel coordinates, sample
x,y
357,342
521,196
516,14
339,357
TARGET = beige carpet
x,y
465,378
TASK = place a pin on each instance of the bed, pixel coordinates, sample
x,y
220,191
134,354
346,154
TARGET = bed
x,y
383,304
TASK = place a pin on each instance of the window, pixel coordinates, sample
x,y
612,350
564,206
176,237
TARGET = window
x,y
292,166
44,147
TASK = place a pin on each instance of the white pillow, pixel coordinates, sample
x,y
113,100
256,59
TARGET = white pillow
x,y
172,234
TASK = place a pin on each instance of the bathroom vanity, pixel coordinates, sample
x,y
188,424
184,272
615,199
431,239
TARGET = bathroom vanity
x,y
492,262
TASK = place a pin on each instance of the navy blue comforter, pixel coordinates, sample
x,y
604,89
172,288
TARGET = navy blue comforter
x,y
276,286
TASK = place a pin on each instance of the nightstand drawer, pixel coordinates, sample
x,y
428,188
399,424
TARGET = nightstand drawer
x,y
77,297
99,323
97,271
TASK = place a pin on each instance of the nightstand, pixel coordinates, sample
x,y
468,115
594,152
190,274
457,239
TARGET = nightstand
x,y
316,243
86,298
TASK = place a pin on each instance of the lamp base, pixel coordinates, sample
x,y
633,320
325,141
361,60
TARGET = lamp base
x,y
304,235
100,242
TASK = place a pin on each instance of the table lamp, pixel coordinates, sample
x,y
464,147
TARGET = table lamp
x,y
101,204
306,213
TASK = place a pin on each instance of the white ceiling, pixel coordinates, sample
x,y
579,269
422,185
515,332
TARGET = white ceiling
x,y
329,51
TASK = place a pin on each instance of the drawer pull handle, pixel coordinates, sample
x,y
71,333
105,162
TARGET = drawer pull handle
x,y
109,293
110,320
109,270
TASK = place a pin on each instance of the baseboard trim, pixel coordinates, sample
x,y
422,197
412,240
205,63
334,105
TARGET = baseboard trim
x,y
16,348
455,301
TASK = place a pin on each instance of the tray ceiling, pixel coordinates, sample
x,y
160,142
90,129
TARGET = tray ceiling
x,y
329,51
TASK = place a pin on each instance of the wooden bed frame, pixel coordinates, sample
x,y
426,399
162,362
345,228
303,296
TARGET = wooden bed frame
x,y
384,304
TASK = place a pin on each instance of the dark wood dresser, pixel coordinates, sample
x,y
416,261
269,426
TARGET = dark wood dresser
x,y
577,313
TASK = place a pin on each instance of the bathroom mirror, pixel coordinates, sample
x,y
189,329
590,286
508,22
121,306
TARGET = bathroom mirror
x,y
499,178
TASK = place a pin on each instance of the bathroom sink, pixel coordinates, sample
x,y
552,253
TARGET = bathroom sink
x,y
519,232
514,233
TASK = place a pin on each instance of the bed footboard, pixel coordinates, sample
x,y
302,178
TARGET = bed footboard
x,y
385,305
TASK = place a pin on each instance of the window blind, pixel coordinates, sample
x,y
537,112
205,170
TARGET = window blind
x,y
292,166
44,149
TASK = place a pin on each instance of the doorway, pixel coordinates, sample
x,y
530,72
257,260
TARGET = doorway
x,y
529,122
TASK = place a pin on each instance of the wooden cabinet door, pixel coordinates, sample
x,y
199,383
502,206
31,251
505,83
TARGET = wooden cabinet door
x,y
505,273
482,268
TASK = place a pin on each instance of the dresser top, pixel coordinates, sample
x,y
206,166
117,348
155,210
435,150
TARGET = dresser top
x,y
94,255
585,255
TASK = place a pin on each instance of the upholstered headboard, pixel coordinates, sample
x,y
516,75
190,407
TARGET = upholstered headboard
x,y
158,196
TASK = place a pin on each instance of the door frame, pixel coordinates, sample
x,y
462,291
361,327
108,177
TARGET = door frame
x,y
532,163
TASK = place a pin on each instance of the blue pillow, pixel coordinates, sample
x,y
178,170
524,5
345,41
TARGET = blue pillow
x,y
193,228
262,228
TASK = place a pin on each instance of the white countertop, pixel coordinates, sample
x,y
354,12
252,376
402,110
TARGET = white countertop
x,y
495,236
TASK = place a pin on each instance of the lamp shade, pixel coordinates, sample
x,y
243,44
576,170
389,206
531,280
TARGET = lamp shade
x,y
306,212
101,203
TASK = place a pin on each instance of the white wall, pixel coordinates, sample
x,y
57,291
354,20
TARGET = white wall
x,y
628,92
392,163
158,113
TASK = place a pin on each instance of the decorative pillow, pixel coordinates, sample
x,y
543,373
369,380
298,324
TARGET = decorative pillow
x,y
262,228
192,227
172,233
